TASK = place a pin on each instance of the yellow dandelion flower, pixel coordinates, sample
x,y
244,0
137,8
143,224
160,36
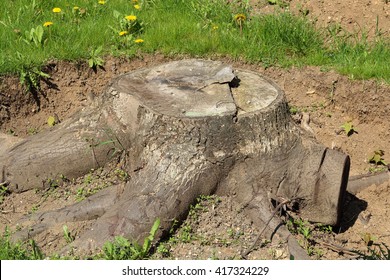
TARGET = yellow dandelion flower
x,y
137,7
47,23
138,41
215,27
101,2
75,8
131,18
240,17
57,10
123,33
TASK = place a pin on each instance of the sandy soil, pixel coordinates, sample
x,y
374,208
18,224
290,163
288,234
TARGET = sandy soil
x,y
218,228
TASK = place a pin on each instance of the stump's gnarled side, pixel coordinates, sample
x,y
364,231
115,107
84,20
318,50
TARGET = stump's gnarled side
x,y
191,127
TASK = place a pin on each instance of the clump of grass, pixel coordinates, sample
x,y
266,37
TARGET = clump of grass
x,y
18,251
123,249
375,251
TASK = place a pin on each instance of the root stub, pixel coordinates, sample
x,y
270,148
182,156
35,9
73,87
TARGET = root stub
x,y
190,127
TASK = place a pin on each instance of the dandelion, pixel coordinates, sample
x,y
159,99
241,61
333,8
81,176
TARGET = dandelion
x,y
75,8
138,41
215,27
123,33
240,17
137,7
47,23
131,18
57,10
101,2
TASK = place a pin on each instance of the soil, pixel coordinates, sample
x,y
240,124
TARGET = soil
x,y
364,17
216,227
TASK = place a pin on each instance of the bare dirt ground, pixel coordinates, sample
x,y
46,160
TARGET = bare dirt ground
x,y
217,227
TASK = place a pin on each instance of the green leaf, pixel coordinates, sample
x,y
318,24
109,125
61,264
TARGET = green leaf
x,y
117,14
51,121
98,50
28,36
91,63
146,246
377,158
149,239
39,33
348,128
43,74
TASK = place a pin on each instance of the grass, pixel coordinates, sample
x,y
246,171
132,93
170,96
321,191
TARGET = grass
x,y
18,251
197,28
119,249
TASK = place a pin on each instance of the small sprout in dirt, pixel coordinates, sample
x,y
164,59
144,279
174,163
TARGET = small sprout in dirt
x,y
11,132
214,256
377,169
185,234
304,229
123,249
53,183
324,228
95,60
64,178
294,110
80,194
88,179
199,206
195,209
121,174
51,121
35,208
348,128
67,236
32,131
4,191
234,234
377,158
164,250
368,239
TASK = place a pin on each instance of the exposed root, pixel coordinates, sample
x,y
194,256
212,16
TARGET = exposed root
x,y
296,251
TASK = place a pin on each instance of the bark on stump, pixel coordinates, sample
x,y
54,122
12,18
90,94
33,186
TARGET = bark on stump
x,y
190,127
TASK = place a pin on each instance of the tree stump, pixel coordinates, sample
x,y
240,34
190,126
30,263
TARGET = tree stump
x,y
189,127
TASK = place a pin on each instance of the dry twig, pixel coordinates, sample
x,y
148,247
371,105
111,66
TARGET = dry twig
x,y
277,209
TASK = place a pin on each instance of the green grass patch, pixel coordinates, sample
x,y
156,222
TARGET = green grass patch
x,y
33,32
18,251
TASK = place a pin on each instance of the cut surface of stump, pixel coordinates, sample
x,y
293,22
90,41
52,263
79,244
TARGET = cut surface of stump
x,y
189,128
